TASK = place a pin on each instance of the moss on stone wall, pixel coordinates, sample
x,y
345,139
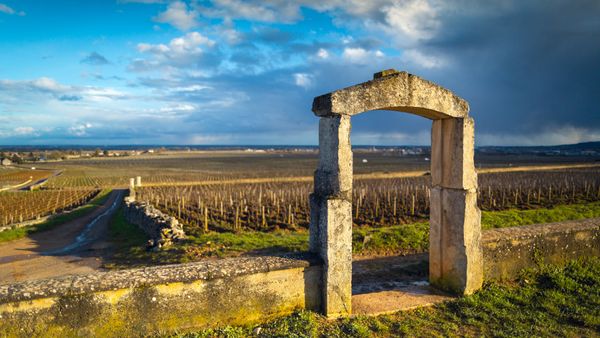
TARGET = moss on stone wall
x,y
165,308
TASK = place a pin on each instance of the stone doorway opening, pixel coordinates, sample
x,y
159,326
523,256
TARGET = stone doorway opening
x,y
455,257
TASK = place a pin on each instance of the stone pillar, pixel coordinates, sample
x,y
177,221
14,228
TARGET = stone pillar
x,y
132,183
455,254
331,214
138,181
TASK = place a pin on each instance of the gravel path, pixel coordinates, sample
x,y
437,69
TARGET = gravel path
x,y
76,247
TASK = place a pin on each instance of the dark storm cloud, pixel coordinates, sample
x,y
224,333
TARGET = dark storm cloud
x,y
69,98
527,68
95,59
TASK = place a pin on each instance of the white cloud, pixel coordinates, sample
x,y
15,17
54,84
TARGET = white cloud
x,y
24,130
229,33
178,15
360,55
180,50
45,89
190,89
102,94
425,61
256,10
415,19
48,84
303,80
322,53
80,129
8,10
392,138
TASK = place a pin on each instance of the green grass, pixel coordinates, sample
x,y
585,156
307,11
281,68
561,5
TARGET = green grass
x,y
559,213
128,242
252,242
550,301
414,237
398,239
59,219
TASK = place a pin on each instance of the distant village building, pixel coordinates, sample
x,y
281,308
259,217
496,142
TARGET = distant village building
x,y
6,162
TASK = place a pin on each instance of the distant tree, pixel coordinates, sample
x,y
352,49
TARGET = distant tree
x,y
16,159
55,155
32,157
105,152
97,152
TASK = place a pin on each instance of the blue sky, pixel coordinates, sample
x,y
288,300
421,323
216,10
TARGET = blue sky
x,y
245,72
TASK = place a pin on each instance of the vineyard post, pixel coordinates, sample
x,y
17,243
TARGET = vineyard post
x,y
205,219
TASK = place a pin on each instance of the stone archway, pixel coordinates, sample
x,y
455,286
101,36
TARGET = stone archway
x,y
455,256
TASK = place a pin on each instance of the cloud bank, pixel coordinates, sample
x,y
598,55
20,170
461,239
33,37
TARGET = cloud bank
x,y
245,72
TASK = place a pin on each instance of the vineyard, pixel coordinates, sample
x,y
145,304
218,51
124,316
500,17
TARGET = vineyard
x,y
22,206
376,202
78,179
15,177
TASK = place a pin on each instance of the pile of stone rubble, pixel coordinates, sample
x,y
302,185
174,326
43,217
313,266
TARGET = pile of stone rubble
x,y
162,229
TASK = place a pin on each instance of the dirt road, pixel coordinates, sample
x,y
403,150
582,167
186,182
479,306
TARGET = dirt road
x,y
75,247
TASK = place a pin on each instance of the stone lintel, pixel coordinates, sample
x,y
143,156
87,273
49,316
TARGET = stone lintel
x,y
452,153
455,254
393,90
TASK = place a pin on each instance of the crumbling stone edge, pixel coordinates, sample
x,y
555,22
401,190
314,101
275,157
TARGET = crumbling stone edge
x,y
152,275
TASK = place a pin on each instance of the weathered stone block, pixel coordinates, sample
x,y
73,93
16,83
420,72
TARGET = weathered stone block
x,y
456,261
313,228
333,177
335,249
435,233
452,153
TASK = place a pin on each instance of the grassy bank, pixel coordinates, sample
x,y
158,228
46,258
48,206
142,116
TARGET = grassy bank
x,y
59,219
415,237
128,242
549,301
559,213
399,239
409,238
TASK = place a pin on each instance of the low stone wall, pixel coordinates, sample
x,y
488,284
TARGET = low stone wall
x,y
235,291
508,251
161,299
160,227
